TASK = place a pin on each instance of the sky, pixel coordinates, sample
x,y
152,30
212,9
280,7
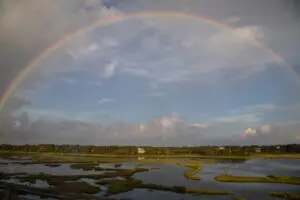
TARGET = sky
x,y
152,80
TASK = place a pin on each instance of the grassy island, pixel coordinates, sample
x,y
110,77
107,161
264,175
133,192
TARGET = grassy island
x,y
268,179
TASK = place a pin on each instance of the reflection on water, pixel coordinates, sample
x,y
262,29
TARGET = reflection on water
x,y
172,175
38,183
145,194
125,165
64,169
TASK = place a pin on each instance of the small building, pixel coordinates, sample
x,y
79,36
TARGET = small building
x,y
140,150
257,150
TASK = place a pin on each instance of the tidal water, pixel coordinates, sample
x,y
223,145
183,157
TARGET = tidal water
x,y
172,175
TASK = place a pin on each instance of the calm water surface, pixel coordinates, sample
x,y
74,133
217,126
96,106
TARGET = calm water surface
x,y
172,175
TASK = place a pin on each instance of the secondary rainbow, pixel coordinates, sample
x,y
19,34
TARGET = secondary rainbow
x,y
96,24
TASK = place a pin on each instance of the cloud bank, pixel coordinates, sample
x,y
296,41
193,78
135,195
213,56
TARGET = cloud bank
x,y
166,54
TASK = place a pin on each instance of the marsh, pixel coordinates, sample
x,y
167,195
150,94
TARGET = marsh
x,y
163,179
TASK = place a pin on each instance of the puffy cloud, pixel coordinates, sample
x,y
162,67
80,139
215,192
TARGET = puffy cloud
x,y
7,120
68,80
249,131
82,51
277,133
207,53
52,126
163,66
106,100
266,129
88,128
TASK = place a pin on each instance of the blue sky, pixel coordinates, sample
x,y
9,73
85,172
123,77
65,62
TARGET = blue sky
x,y
142,80
166,75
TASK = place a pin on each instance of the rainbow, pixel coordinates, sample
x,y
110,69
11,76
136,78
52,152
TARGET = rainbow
x,y
47,52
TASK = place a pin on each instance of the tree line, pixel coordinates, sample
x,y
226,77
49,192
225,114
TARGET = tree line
x,y
149,150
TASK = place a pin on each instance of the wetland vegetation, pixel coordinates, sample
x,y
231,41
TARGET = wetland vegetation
x,y
285,195
267,179
109,175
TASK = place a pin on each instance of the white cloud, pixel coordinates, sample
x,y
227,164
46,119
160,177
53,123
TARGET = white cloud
x,y
106,100
266,128
250,131
207,50
58,115
247,118
68,80
200,125
90,48
255,108
277,133
35,114
86,128
81,50
168,121
142,128
110,69
269,128
207,55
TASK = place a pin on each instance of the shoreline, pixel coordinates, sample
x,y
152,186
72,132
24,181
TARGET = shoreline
x,y
267,156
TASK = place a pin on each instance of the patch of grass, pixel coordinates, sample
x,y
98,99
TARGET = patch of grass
x,y
51,179
6,176
190,174
120,186
285,195
76,187
56,180
154,168
268,179
83,166
239,198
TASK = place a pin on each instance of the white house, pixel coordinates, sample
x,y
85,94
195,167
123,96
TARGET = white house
x,y
257,150
221,148
141,150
